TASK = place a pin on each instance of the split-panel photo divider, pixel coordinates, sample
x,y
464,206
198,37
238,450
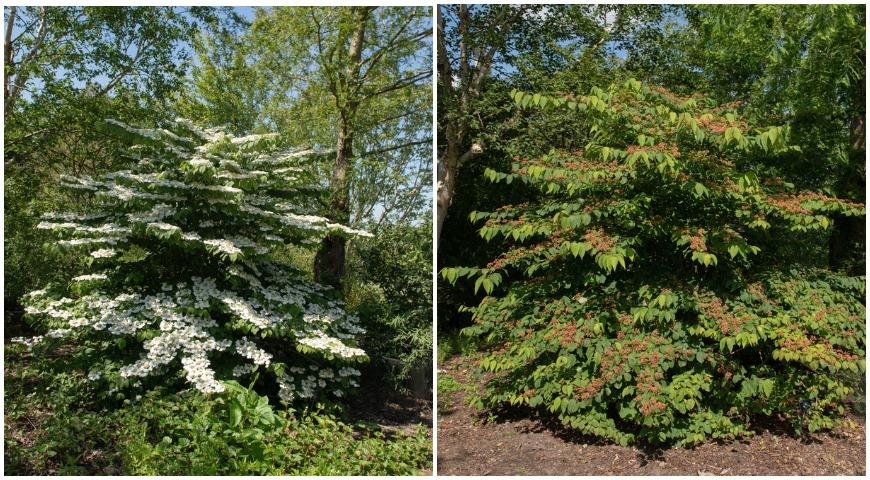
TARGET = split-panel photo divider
x,y
650,234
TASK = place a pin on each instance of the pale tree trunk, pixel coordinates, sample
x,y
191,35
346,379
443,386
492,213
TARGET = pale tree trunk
x,y
329,263
7,53
15,78
446,184
448,167
467,87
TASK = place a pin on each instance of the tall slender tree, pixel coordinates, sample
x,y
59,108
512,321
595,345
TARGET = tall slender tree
x,y
361,89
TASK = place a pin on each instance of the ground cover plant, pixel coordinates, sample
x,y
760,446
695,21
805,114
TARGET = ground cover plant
x,y
656,285
57,423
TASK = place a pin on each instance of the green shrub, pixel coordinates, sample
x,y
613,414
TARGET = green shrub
x,y
391,291
642,293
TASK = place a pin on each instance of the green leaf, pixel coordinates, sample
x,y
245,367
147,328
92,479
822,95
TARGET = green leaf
x,y
235,413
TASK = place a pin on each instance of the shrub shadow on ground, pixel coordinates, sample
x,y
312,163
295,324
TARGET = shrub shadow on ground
x,y
516,444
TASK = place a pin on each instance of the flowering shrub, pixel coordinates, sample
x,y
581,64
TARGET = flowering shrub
x,y
636,298
184,273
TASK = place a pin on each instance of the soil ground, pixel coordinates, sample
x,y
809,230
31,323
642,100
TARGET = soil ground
x,y
468,444
391,410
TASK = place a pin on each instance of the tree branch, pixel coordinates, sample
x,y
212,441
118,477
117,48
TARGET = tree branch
x,y
395,147
15,89
407,81
126,70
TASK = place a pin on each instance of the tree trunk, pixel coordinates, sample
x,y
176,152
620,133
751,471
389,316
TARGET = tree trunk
x,y
330,259
7,53
448,167
849,231
446,184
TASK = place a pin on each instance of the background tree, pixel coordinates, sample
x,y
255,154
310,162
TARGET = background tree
x,y
66,69
363,90
524,45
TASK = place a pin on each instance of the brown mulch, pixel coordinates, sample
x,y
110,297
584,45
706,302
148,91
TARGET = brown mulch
x,y
469,445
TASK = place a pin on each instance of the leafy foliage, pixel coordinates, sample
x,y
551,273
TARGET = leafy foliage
x,y
635,298
392,293
56,423
182,253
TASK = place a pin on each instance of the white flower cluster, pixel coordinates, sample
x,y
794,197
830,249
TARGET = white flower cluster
x,y
208,135
88,241
157,213
28,342
217,188
147,179
249,350
72,217
200,162
152,133
200,375
223,246
164,227
243,369
285,157
90,278
321,341
108,229
253,138
304,222
248,312
304,383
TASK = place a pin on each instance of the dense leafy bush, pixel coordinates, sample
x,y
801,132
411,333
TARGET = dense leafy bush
x,y
181,249
642,293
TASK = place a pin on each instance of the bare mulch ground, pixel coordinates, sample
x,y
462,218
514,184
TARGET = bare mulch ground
x,y
469,445
392,411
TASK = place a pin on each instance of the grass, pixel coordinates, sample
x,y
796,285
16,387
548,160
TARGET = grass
x,y
57,424
448,385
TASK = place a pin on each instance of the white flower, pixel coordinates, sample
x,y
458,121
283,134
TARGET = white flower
x,y
242,370
321,341
28,342
249,349
223,245
252,138
200,162
103,253
165,227
90,278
